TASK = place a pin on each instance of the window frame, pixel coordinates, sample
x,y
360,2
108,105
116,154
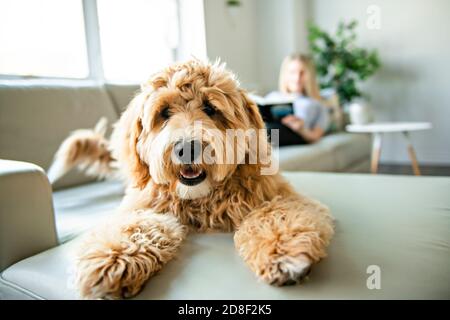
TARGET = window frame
x,y
93,48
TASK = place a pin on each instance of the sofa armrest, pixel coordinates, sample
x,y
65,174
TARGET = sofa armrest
x,y
27,223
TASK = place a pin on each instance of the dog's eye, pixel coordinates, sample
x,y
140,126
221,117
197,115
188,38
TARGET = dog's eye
x,y
209,109
165,113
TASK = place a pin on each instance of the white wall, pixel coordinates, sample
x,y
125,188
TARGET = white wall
x,y
233,38
414,81
281,31
255,40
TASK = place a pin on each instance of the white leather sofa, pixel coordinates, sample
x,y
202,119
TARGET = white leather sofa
x,y
392,241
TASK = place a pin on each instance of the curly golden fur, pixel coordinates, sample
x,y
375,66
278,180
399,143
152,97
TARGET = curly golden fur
x,y
86,149
279,233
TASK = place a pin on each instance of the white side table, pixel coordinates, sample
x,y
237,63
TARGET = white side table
x,y
377,130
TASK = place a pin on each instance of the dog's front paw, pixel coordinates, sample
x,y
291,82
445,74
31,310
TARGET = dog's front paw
x,y
118,258
111,275
285,270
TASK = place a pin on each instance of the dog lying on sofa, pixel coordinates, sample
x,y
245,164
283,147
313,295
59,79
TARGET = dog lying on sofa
x,y
170,148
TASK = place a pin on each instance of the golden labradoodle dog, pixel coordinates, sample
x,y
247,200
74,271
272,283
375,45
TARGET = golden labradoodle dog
x,y
185,108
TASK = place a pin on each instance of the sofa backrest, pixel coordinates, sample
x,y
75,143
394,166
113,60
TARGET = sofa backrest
x,y
35,119
121,94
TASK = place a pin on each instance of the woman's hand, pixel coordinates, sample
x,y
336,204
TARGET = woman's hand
x,y
298,125
292,122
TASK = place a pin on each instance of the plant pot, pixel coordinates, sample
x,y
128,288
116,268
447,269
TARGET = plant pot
x,y
360,112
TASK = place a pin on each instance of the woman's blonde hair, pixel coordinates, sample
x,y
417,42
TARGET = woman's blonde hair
x,y
311,88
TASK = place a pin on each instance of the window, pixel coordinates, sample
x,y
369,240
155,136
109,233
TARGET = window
x,y
113,40
137,37
42,38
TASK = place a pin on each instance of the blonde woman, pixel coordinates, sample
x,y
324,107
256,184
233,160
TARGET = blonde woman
x,y
310,119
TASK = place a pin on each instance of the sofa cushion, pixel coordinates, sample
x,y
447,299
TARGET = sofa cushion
x,y
397,223
311,157
35,118
333,153
80,208
348,148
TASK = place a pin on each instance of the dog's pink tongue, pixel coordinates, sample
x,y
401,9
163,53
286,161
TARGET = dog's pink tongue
x,y
190,172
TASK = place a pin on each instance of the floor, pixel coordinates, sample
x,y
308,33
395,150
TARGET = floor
x,y
407,170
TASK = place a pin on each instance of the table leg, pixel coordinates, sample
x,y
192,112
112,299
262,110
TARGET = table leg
x,y
412,154
376,152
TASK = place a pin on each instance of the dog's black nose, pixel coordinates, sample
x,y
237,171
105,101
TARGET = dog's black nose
x,y
187,151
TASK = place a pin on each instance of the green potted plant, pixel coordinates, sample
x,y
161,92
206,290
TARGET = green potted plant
x,y
233,3
342,65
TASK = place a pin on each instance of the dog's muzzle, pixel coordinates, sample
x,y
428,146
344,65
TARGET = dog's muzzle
x,y
189,153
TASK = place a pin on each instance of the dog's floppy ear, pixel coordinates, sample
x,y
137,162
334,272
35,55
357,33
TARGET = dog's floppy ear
x,y
263,155
252,111
124,143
